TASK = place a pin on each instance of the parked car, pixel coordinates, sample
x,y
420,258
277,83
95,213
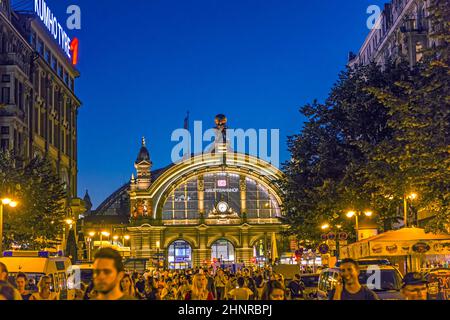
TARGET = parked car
x,y
36,264
310,281
369,261
387,287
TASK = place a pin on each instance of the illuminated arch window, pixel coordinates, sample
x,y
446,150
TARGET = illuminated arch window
x,y
260,203
182,203
222,187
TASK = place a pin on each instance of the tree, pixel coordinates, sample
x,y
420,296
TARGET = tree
x,y
38,220
380,134
325,176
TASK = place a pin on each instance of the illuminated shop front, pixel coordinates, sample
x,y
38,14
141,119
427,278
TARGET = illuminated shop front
x,y
221,206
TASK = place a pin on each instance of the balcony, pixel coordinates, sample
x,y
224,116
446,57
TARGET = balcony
x,y
14,59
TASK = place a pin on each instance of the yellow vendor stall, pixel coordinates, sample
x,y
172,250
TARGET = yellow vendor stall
x,y
412,249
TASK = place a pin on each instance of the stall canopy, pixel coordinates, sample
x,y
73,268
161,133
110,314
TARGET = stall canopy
x,y
402,242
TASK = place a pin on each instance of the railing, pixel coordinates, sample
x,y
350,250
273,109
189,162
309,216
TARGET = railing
x,y
14,59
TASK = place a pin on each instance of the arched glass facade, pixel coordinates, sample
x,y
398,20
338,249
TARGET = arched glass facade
x,y
184,202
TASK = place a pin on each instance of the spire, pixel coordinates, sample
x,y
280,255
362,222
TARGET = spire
x,y
87,201
143,167
143,155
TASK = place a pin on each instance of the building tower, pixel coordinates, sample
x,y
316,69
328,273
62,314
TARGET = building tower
x,y
143,166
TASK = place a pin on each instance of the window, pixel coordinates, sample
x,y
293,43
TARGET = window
x,y
41,125
6,95
71,83
54,62
47,55
43,88
183,201
32,39
4,145
51,129
60,71
66,77
36,119
39,46
6,78
5,130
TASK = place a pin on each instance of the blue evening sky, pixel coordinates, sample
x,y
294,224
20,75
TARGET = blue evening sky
x,y
145,63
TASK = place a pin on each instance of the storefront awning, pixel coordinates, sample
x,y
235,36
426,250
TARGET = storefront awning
x,y
402,242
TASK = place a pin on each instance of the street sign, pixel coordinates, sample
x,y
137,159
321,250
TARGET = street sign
x,y
331,236
343,236
323,248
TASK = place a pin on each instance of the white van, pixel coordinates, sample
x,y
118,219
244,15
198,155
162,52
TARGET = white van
x,y
35,264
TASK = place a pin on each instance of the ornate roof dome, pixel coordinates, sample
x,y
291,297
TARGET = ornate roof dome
x,y
143,155
220,120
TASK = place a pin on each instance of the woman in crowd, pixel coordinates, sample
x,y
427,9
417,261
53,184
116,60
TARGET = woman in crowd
x,y
127,287
44,287
151,291
199,289
21,282
183,288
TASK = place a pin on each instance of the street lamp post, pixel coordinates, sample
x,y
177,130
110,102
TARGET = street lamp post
x,y
351,214
411,197
4,202
103,233
337,227
90,240
89,248
125,238
68,222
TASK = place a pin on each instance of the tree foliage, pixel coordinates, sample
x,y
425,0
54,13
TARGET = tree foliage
x,y
380,134
38,220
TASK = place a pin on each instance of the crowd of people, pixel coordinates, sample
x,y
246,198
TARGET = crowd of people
x,y
188,284
111,281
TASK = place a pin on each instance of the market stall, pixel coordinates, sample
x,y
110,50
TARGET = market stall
x,y
410,248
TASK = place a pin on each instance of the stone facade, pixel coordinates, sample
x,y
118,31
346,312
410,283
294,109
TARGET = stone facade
x,y
402,31
38,104
209,202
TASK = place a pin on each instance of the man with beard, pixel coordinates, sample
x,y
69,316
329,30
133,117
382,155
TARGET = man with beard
x,y
108,272
348,286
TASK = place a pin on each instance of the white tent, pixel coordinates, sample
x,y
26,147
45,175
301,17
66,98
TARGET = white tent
x,y
402,242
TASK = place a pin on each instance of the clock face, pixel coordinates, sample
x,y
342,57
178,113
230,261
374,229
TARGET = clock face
x,y
222,207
